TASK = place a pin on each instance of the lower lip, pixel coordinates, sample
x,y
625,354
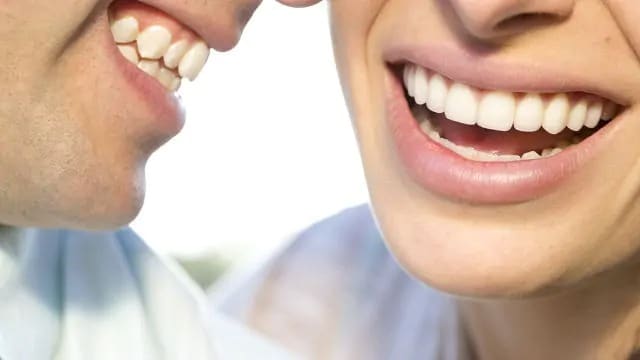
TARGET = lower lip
x,y
448,174
165,108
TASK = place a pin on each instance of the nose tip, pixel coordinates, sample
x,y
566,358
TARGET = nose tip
x,y
488,19
219,23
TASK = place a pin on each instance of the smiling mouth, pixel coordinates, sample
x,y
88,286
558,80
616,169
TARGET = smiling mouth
x,y
158,45
501,126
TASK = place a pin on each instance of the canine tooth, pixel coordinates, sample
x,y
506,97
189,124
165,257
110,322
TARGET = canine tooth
x,y
175,53
461,105
531,155
154,42
125,30
438,90
496,111
594,112
529,113
194,60
609,111
577,115
151,67
130,53
555,117
420,85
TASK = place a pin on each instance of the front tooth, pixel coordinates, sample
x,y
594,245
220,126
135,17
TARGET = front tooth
x,y
529,113
194,60
129,52
577,115
461,105
151,67
555,117
175,53
593,115
496,111
175,85
421,83
609,111
531,155
438,89
154,42
125,30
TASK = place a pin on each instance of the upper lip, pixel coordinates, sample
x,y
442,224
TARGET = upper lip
x,y
490,73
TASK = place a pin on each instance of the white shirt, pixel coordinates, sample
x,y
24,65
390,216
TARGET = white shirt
x,y
77,295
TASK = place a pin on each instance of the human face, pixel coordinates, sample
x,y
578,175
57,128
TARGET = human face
x,y
78,120
523,76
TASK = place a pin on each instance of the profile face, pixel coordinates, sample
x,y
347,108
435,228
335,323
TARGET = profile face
x,y
89,94
499,138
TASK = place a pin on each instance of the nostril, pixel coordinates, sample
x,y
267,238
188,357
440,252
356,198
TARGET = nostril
x,y
518,22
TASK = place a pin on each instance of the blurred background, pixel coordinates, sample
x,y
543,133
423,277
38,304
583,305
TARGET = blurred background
x,y
267,150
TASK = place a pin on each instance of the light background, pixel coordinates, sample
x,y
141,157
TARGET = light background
x,y
268,147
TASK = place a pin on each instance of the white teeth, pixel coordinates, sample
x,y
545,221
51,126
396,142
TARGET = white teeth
x,y
577,115
594,112
151,67
194,60
166,77
531,155
555,117
154,42
125,30
461,105
175,53
497,111
130,53
503,111
529,113
421,86
438,90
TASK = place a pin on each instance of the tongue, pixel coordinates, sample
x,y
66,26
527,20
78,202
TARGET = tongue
x,y
499,142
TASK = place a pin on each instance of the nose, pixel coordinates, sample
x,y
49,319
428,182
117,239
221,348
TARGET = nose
x,y
489,19
219,22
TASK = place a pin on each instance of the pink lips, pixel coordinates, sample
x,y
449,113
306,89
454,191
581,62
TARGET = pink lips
x,y
446,173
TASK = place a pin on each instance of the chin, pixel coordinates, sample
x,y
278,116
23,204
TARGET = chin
x,y
476,260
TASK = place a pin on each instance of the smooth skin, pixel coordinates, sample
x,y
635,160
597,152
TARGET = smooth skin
x,y
553,278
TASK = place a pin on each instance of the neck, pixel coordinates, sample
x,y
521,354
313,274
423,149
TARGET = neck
x,y
596,319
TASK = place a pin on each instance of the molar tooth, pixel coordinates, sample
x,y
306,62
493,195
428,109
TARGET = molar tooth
x,y
546,152
410,75
594,112
496,111
461,105
194,60
151,67
555,117
577,115
154,42
555,151
130,53
529,113
175,53
438,89
421,83
125,30
609,111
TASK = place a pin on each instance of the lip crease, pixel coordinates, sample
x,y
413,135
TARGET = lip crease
x,y
165,107
448,174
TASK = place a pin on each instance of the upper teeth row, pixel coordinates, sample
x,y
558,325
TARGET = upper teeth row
x,y
154,52
500,110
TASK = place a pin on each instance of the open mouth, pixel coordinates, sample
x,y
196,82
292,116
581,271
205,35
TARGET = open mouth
x,y
156,43
501,126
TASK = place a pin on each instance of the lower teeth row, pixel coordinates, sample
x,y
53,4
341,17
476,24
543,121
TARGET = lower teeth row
x,y
477,155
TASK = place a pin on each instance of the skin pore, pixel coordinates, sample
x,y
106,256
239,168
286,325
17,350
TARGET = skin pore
x,y
77,129
553,277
